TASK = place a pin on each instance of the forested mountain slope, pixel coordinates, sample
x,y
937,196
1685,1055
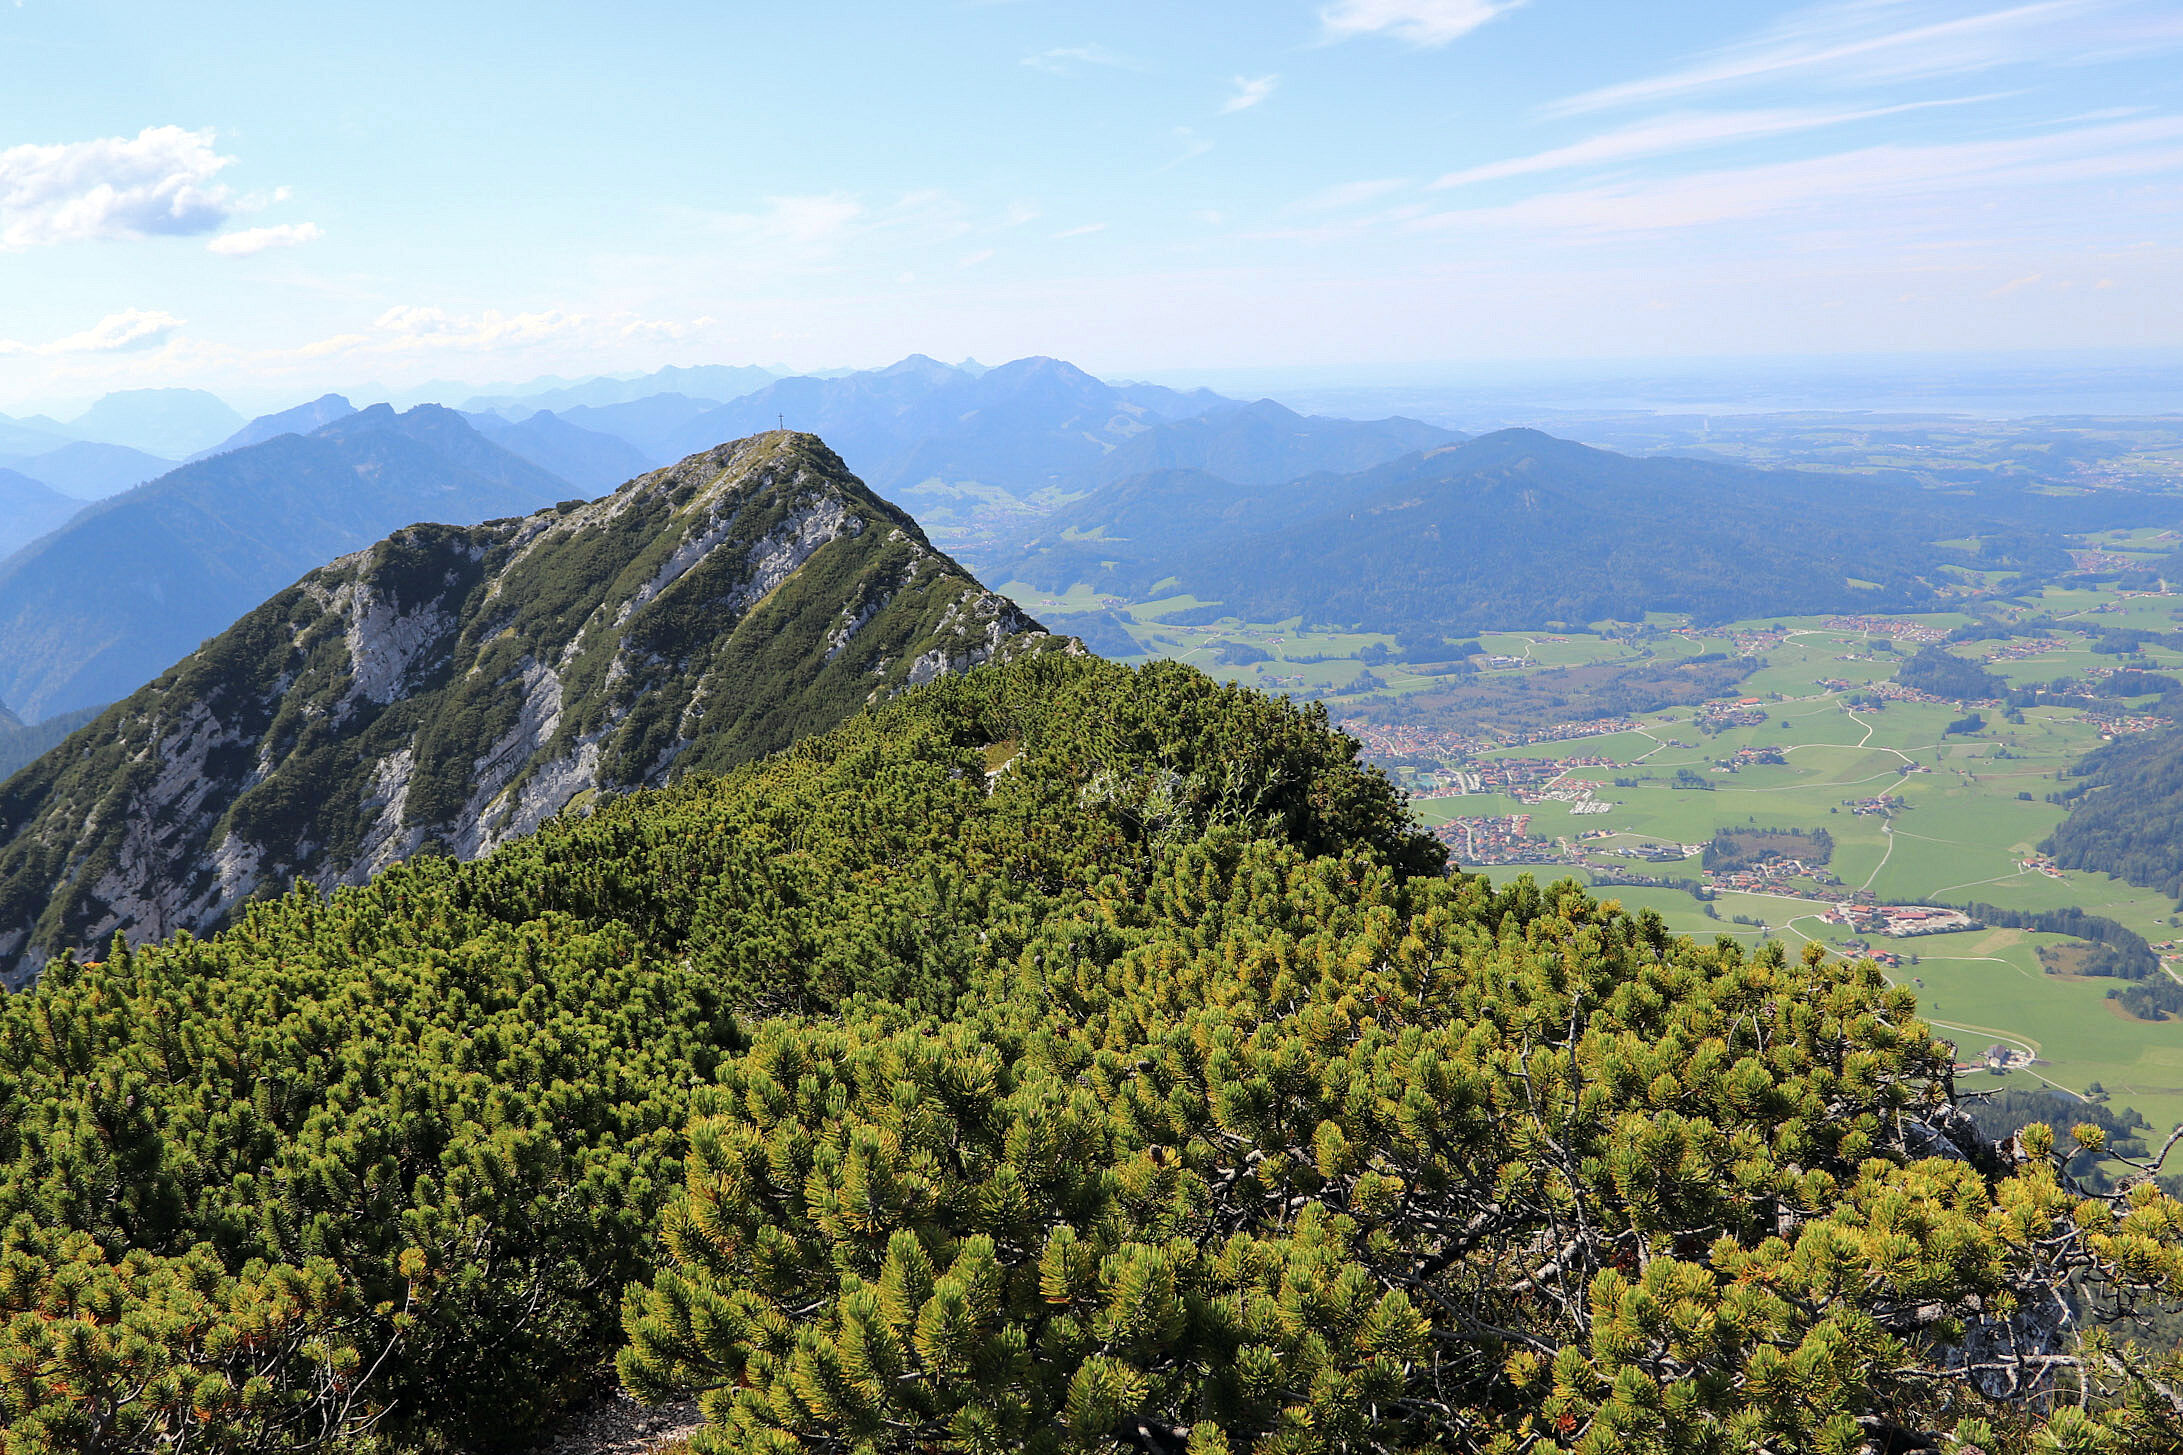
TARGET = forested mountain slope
x,y
1267,444
2126,812
100,607
1518,528
453,687
1056,1058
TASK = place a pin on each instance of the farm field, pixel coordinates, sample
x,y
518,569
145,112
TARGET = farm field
x,y
1918,803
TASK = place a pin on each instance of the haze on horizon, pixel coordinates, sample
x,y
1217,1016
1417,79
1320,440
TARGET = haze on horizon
x,y
276,203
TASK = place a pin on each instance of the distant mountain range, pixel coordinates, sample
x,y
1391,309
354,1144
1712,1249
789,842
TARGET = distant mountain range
x,y
717,383
1516,528
97,608
587,459
1026,425
302,419
29,508
651,424
452,687
174,423
88,470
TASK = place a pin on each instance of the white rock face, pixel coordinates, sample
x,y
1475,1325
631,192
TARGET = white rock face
x,y
177,860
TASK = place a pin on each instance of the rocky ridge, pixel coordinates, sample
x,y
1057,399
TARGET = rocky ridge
x,y
451,688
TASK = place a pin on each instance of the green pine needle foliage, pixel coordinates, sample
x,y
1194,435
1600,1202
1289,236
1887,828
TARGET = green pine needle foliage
x,y
1052,1057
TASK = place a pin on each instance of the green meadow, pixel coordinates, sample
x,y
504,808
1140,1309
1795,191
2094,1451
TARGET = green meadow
x,y
1970,810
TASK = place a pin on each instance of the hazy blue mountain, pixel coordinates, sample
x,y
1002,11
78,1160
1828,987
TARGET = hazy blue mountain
x,y
717,383
302,419
1266,443
173,422
976,456
1023,426
1517,528
652,423
587,459
99,607
30,437
28,509
90,471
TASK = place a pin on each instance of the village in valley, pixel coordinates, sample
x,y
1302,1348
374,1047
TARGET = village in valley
x,y
1818,797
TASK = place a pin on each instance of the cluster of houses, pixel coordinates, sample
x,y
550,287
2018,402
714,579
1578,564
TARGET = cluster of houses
x,y
1400,740
1899,628
1747,758
1767,876
1721,716
1899,921
2130,722
2016,649
1495,839
1750,641
1527,780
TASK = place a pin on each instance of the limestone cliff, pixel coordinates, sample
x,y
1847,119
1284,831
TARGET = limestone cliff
x,y
450,688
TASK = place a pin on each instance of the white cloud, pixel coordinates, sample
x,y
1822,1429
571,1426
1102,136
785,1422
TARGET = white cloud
x,y
156,183
1869,41
116,333
1085,231
1420,22
252,240
1065,58
490,329
1249,92
982,255
1668,134
1351,194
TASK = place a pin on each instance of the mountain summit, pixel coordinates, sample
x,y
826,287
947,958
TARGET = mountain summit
x,y
450,688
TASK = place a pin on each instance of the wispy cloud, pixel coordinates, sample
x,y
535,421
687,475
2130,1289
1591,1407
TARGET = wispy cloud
x,y
1193,147
159,182
1680,133
1821,187
1868,41
1065,58
1350,194
412,330
797,219
117,333
1249,92
1420,22
252,240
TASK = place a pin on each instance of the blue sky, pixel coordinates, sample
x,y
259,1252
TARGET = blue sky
x,y
271,200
